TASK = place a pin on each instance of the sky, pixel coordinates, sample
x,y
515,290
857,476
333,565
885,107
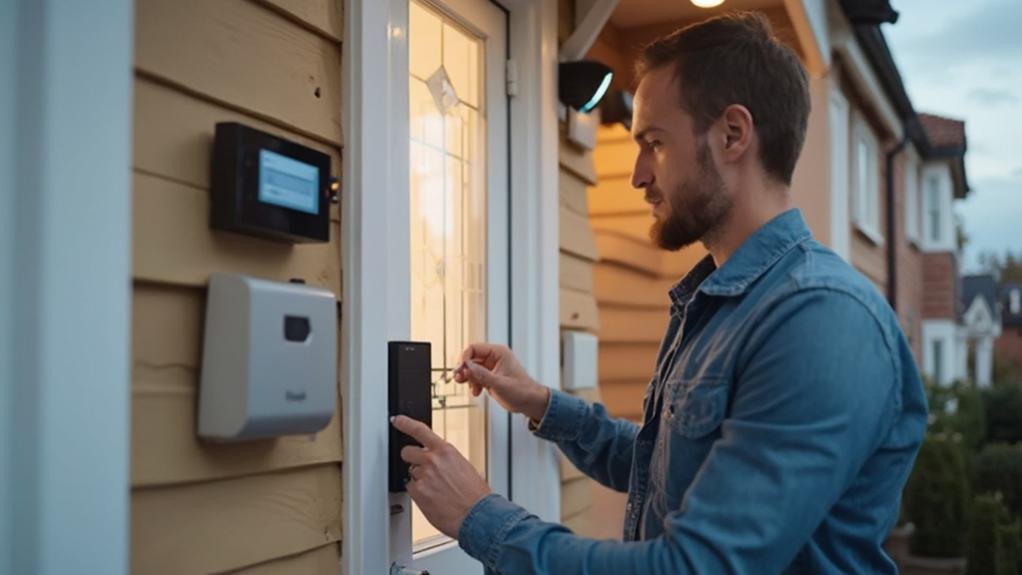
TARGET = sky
x,y
963,59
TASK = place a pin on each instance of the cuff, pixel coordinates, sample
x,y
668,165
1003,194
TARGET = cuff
x,y
486,525
563,418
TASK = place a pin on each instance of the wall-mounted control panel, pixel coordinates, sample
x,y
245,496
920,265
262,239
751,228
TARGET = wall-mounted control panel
x,y
409,393
270,187
269,360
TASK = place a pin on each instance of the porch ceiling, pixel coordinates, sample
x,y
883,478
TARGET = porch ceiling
x,y
634,13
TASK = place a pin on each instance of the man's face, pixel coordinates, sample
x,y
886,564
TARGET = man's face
x,y
675,167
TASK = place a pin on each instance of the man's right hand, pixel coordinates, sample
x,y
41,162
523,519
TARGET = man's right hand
x,y
495,368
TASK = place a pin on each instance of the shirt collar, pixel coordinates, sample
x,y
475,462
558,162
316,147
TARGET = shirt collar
x,y
757,254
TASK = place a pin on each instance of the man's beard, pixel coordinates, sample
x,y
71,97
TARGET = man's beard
x,y
696,209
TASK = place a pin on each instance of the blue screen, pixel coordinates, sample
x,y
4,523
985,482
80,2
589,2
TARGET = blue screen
x,y
288,183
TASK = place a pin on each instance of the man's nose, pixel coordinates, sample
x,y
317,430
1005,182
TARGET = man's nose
x,y
642,176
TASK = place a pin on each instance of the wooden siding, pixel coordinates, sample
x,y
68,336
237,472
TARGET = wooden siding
x,y
260,507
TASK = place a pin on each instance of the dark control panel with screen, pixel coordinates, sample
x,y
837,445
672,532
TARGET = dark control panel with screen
x,y
267,186
410,394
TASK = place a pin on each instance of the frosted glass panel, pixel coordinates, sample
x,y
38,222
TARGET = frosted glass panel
x,y
448,227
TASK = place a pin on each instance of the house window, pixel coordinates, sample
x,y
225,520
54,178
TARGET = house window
x,y
866,180
933,211
1015,302
912,209
938,361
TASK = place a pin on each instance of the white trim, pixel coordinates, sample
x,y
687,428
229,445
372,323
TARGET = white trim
x,y
370,281
912,207
66,100
945,331
865,193
535,329
587,27
840,233
861,73
938,173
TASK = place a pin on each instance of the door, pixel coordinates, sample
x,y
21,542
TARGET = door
x,y
458,254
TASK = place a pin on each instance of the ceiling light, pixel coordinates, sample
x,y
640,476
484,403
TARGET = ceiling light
x,y
707,3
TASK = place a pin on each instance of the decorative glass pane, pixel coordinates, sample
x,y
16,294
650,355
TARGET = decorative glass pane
x,y
448,224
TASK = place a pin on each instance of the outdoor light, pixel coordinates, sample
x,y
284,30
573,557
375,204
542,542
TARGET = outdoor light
x,y
707,3
583,83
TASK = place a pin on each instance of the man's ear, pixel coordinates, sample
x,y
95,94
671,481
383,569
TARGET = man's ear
x,y
738,130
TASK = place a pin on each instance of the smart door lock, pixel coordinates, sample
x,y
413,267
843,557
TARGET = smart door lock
x,y
409,393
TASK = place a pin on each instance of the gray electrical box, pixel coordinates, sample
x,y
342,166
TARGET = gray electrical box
x,y
269,361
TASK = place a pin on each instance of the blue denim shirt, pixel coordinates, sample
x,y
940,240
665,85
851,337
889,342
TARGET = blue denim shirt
x,y
780,426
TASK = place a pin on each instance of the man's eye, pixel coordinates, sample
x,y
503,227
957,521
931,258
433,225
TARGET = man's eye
x,y
655,144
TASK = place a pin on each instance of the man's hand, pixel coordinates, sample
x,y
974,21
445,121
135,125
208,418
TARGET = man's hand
x,y
495,368
444,484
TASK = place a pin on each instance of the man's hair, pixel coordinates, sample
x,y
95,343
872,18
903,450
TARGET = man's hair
x,y
735,59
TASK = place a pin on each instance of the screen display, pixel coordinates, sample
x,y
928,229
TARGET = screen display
x,y
288,183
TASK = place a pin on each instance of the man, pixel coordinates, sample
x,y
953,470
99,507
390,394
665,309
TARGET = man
x,y
785,411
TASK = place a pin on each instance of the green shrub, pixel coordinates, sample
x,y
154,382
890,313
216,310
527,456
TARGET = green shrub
x,y
1008,549
998,469
935,498
970,416
1003,403
986,516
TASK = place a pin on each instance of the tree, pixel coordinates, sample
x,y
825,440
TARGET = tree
x,y
1006,268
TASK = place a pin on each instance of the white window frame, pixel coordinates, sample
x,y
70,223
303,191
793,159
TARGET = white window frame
x,y
936,195
865,189
913,206
1015,301
65,267
372,163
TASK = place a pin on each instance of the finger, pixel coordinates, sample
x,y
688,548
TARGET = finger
x,y
485,353
414,454
415,471
418,430
480,376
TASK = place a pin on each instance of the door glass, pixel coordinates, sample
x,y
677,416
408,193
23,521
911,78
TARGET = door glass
x,y
448,223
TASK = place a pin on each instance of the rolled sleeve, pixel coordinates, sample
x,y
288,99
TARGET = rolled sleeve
x,y
486,526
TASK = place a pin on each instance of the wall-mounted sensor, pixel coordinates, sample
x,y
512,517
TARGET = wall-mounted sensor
x,y
581,84
270,187
269,361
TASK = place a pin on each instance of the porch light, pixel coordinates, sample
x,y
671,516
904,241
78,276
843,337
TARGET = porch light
x,y
583,83
707,3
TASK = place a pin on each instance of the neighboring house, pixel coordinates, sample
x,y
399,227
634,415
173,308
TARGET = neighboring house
x,y
1008,347
980,327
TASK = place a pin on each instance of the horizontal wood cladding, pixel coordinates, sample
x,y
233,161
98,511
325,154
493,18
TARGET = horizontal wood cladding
x,y
627,287
173,135
577,161
323,16
238,53
578,310
325,559
623,398
174,244
573,192
629,325
615,196
576,273
222,525
576,497
627,361
576,236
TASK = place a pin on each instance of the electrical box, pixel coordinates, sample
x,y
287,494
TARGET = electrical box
x,y
269,360
580,357
409,393
270,187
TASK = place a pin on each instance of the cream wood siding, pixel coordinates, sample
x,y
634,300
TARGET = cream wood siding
x,y
263,507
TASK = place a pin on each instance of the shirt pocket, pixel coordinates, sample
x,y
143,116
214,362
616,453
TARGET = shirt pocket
x,y
698,407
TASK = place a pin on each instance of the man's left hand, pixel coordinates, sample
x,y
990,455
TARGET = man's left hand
x,y
444,484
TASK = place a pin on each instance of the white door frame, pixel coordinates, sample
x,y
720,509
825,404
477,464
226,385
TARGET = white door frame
x,y
375,181
65,285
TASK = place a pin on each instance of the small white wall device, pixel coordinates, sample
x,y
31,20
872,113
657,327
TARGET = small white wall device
x,y
269,361
580,360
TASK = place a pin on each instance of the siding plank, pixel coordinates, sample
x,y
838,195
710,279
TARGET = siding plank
x,y
626,287
324,16
173,243
579,311
174,135
616,196
631,325
623,398
576,235
573,193
627,361
576,497
320,561
166,450
576,273
625,250
225,525
577,161
568,470
239,53
615,159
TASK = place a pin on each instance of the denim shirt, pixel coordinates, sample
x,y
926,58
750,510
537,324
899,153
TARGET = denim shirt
x,y
780,425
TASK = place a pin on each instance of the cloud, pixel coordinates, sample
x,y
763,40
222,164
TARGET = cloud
x,y
992,96
991,214
1016,174
988,32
